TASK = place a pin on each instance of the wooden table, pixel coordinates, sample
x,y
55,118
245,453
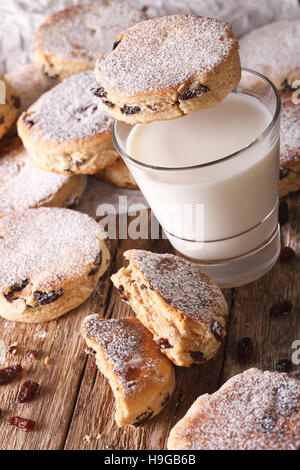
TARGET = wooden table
x,y
74,408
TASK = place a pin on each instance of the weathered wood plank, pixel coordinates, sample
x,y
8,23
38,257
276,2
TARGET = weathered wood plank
x,y
272,337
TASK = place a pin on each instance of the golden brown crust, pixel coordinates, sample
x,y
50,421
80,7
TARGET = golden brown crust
x,y
68,136
184,310
254,410
88,30
9,110
178,65
24,186
52,260
141,378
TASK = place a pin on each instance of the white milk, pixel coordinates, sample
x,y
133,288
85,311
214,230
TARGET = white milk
x,y
230,205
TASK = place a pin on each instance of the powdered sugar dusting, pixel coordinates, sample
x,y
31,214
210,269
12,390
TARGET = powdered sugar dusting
x,y
182,285
87,31
45,246
69,111
273,49
23,185
165,52
30,83
290,131
254,411
123,342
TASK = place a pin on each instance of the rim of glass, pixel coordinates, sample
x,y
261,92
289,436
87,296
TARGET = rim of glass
x,y
123,153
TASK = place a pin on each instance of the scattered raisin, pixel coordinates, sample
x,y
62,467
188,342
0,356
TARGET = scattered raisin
x,y
287,255
197,356
282,308
31,353
16,101
283,212
115,45
188,94
23,424
1,119
97,264
128,110
267,423
27,391
143,287
284,365
217,330
163,344
244,350
9,373
45,298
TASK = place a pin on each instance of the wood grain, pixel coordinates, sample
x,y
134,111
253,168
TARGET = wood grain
x,y
74,408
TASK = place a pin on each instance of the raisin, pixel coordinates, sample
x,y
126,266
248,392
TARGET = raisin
x,y
188,94
45,298
16,288
284,401
31,353
1,119
128,110
244,350
122,293
283,212
267,423
143,287
163,344
217,330
284,365
9,373
108,103
143,417
197,356
115,45
99,91
16,101
30,122
152,107
165,400
287,255
72,202
282,308
97,264
23,424
27,391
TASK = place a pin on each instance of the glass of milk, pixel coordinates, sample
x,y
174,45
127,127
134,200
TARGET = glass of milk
x,y
211,179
